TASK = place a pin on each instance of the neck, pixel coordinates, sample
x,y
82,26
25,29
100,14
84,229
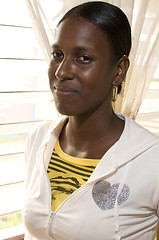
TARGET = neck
x,y
92,136
98,125
85,128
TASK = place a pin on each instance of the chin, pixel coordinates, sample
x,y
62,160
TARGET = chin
x,y
64,110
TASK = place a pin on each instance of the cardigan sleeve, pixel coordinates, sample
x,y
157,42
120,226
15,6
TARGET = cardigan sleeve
x,y
28,236
28,144
37,134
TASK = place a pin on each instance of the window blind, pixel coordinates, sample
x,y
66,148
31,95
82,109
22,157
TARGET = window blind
x,y
25,100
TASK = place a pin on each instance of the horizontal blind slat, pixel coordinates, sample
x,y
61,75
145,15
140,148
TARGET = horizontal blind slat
x,y
25,98
12,198
23,75
12,168
7,129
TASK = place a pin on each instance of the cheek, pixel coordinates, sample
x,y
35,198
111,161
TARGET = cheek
x,y
96,77
98,85
51,74
89,75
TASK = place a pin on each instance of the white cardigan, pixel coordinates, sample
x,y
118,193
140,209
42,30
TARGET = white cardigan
x,y
119,201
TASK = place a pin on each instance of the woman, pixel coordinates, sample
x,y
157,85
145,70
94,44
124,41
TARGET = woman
x,y
94,174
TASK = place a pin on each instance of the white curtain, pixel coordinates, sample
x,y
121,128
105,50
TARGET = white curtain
x,y
144,56
144,19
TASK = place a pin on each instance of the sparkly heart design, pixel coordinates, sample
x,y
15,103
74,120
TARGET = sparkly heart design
x,y
105,195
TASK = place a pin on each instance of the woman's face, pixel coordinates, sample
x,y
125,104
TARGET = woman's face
x,y
81,71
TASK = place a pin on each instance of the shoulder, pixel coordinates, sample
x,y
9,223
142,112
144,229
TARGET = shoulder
x,y
40,129
36,136
136,142
137,132
40,133
44,128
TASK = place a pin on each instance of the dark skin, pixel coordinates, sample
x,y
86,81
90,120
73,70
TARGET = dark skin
x,y
82,73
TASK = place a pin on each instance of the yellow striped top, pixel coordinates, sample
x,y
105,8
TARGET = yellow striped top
x,y
67,174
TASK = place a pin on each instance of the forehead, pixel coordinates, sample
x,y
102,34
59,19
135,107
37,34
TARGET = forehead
x,y
80,32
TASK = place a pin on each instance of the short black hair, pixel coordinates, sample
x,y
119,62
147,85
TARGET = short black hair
x,y
110,19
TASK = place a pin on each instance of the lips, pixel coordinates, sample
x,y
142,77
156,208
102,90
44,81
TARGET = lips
x,y
64,90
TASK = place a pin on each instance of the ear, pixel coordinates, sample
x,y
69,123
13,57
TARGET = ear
x,y
122,67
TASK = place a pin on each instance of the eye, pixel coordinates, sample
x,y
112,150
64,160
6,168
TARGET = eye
x,y
57,55
84,59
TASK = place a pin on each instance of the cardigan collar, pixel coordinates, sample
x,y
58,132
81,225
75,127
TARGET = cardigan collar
x,y
133,141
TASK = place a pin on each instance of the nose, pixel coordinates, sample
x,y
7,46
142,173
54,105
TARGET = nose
x,y
65,70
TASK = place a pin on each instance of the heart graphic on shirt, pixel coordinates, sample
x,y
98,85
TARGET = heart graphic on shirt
x,y
105,195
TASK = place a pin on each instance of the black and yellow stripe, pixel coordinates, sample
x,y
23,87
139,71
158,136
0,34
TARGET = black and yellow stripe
x,y
67,174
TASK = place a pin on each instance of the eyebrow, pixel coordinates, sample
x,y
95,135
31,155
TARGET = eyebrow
x,y
79,48
55,46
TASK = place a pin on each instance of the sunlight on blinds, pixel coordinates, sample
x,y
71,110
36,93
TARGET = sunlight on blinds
x,y
25,99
